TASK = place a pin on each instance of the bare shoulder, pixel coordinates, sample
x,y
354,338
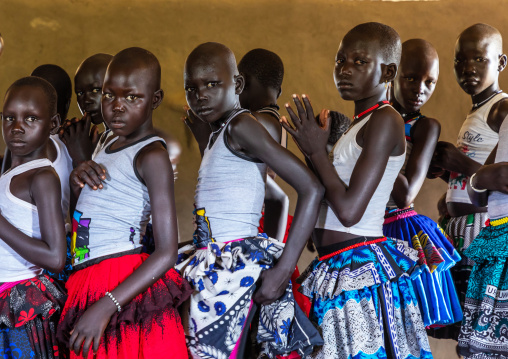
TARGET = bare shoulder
x,y
426,125
154,150
242,123
386,118
498,113
44,180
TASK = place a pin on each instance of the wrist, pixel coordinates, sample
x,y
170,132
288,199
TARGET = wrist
x,y
318,155
473,183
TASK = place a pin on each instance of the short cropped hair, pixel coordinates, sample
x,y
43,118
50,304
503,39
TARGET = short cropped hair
x,y
387,37
265,66
60,81
46,87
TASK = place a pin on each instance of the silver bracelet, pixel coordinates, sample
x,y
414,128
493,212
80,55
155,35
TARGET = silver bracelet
x,y
473,188
114,301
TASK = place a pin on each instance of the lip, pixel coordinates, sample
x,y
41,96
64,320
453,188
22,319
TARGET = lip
x,y
344,85
416,103
470,82
116,124
204,111
16,142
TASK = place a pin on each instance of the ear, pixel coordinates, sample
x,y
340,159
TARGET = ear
x,y
279,93
502,62
239,83
55,124
389,72
157,98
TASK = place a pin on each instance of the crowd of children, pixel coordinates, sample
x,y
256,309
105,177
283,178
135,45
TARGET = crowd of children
x,y
114,281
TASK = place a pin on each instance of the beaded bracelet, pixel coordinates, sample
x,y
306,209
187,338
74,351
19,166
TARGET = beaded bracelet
x,y
472,187
114,301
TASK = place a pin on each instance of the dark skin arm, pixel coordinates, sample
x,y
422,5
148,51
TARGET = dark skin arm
x,y
349,203
155,168
425,135
270,123
247,135
490,176
44,192
449,158
78,138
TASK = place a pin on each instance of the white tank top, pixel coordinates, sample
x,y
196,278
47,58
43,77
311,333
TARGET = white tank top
x,y
22,215
476,140
63,167
498,202
344,156
109,221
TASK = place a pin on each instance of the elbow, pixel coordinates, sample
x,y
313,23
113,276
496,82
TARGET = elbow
x,y
56,265
349,218
404,202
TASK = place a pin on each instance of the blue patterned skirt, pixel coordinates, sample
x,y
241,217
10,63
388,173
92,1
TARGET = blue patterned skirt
x,y
217,318
435,290
484,330
364,302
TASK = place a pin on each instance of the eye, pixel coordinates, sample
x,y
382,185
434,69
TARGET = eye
x,y
7,118
31,119
339,61
96,90
107,95
480,59
79,93
211,84
132,98
360,62
410,79
189,89
456,61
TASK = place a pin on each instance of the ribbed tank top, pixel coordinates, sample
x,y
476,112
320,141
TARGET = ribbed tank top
x,y
63,167
109,220
498,202
476,140
409,147
344,156
229,194
25,217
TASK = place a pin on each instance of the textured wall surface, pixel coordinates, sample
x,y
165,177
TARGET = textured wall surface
x,y
306,35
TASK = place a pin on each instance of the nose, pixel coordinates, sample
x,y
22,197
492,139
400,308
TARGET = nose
x,y
201,94
117,105
88,98
470,67
17,127
419,87
344,70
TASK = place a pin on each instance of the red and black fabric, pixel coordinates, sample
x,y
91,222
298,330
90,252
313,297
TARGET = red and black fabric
x,y
28,316
148,327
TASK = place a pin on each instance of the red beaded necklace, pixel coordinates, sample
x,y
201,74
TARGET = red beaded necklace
x,y
370,109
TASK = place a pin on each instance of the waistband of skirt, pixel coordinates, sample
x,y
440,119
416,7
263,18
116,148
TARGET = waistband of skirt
x,y
393,215
231,241
497,222
9,285
97,260
331,250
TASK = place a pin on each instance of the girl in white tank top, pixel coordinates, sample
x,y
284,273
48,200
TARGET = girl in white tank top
x,y
356,283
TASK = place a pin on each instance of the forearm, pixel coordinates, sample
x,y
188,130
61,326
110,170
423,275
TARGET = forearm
x,y
149,272
405,191
33,250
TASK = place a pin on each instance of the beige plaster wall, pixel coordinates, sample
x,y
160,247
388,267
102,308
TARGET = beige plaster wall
x,y
305,34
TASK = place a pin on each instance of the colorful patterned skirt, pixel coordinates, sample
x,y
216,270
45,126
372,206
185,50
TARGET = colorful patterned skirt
x,y
484,328
29,312
461,231
437,297
148,327
364,302
221,311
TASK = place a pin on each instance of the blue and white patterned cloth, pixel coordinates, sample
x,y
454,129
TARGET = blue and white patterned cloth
x,y
217,318
362,294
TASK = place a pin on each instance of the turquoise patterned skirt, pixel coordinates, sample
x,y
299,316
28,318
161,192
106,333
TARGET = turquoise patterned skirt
x,y
484,331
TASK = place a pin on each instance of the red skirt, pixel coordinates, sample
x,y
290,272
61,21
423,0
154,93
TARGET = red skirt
x,y
147,327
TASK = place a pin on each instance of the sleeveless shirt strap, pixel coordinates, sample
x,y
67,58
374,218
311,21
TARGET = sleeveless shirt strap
x,y
226,143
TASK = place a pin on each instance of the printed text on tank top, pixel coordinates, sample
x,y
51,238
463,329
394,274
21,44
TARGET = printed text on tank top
x,y
476,139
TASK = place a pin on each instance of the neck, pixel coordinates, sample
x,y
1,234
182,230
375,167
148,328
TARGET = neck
x,y
366,103
261,102
217,125
38,154
141,132
485,94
